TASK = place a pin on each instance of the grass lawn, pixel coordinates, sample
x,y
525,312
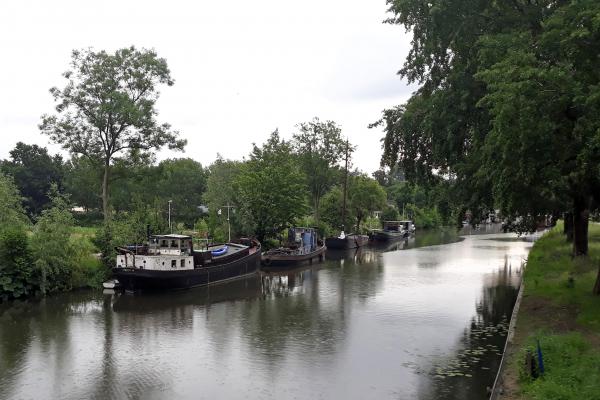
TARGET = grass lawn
x,y
559,310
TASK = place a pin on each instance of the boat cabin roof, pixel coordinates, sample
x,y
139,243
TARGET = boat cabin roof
x,y
171,236
302,228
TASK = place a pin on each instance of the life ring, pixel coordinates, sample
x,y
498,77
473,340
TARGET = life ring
x,y
267,261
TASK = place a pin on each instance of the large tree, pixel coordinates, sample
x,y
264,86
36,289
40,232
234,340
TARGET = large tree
x,y
320,148
271,188
34,171
183,181
107,108
365,195
507,107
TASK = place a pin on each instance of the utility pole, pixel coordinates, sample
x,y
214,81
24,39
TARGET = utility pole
x,y
170,226
228,207
345,189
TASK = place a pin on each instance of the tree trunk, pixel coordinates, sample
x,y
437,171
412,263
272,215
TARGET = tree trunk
x,y
596,290
581,215
568,228
105,191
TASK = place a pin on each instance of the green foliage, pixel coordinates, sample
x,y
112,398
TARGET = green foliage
x,y
424,217
17,275
571,368
323,228
319,147
88,270
571,360
33,171
129,228
549,266
365,195
389,213
201,228
183,181
508,105
11,210
221,191
107,107
51,245
331,211
271,188
82,182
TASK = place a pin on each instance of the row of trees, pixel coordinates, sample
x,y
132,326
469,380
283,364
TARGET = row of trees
x,y
507,107
33,170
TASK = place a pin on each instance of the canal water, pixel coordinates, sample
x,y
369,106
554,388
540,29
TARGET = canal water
x,y
423,319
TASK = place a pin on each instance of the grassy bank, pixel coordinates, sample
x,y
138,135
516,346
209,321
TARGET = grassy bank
x,y
559,310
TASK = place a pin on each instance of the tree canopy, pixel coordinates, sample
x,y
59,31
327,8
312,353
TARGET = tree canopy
x,y
272,188
107,107
507,106
34,171
320,147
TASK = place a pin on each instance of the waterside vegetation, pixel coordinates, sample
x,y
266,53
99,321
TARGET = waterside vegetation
x,y
559,310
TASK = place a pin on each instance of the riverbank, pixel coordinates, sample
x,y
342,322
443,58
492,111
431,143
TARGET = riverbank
x,y
559,310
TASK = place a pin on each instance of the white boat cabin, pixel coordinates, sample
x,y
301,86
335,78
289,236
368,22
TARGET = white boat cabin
x,y
163,253
399,226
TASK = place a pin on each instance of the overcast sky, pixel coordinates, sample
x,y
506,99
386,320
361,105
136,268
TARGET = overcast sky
x,y
241,68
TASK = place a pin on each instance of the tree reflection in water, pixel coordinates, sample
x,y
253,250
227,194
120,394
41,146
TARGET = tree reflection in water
x,y
475,362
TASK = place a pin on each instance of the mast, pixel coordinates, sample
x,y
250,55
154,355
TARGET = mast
x,y
345,188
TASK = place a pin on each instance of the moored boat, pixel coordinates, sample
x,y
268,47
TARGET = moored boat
x,y
171,262
343,242
393,230
302,245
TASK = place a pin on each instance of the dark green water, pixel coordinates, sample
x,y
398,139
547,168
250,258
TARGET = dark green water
x,y
395,322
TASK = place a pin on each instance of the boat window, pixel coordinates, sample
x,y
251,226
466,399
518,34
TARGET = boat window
x,y
182,263
163,243
173,263
173,243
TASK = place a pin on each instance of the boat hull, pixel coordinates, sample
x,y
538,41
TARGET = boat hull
x,y
135,279
387,236
349,242
283,260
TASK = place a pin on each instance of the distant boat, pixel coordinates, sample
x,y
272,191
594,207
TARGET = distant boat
x,y
393,230
343,241
171,262
302,245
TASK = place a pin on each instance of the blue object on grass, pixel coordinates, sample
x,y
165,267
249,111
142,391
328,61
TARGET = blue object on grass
x,y
540,358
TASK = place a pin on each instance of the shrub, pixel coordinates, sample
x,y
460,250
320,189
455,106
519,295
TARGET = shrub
x,y
52,247
16,267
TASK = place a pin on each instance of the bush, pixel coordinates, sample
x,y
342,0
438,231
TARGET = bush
x,y
425,217
52,247
323,228
88,270
17,277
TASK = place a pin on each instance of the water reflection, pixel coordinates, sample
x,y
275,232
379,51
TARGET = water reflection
x,y
423,322
471,369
